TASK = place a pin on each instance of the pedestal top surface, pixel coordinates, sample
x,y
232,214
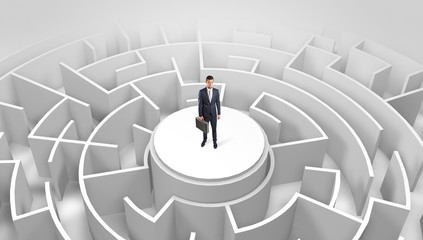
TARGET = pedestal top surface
x,y
240,144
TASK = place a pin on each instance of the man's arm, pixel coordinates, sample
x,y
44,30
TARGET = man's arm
x,y
218,104
200,105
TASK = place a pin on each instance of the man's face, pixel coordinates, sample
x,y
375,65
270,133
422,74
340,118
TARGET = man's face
x,y
209,83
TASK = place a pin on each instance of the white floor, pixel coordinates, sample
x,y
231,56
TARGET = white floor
x,y
127,157
7,229
35,182
280,196
72,214
118,223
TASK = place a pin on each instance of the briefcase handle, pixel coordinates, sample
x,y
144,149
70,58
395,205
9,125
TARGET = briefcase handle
x,y
201,120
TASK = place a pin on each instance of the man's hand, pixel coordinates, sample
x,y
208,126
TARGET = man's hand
x,y
218,117
202,118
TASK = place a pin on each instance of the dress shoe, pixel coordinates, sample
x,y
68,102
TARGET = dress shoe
x,y
215,145
203,143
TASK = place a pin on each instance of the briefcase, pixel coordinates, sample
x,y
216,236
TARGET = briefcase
x,y
202,125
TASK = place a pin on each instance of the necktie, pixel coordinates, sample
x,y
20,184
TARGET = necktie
x,y
209,95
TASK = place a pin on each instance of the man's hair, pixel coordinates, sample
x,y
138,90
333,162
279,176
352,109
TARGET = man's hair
x,y
209,77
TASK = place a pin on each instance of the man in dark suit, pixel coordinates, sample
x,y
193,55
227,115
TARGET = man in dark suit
x,y
209,108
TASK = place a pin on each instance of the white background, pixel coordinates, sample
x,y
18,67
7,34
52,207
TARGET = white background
x,y
396,24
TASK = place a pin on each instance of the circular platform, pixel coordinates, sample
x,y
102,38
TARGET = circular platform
x,y
240,140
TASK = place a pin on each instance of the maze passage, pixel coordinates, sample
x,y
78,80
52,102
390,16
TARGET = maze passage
x,y
318,139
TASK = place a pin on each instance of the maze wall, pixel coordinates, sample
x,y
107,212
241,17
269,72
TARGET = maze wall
x,y
342,159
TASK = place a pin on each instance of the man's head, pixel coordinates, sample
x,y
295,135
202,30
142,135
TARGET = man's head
x,y
209,81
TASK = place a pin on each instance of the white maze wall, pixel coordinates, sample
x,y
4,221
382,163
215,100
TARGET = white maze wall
x,y
343,156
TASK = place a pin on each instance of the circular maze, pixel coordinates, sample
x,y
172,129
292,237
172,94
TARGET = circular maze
x,y
324,143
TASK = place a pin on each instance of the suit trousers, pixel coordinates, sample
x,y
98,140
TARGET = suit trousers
x,y
213,120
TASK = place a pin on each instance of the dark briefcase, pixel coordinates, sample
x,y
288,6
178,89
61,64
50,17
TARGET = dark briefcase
x,y
202,125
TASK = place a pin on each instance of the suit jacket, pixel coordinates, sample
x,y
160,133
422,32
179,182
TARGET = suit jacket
x,y
206,107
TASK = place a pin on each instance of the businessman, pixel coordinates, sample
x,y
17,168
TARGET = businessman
x,y
209,108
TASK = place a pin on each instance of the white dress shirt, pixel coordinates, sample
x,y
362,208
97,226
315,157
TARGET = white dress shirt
x,y
210,93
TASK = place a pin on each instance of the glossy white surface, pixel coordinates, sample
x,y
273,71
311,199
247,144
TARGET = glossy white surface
x,y
240,144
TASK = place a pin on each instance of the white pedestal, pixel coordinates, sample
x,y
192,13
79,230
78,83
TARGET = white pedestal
x,y
240,144
181,167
